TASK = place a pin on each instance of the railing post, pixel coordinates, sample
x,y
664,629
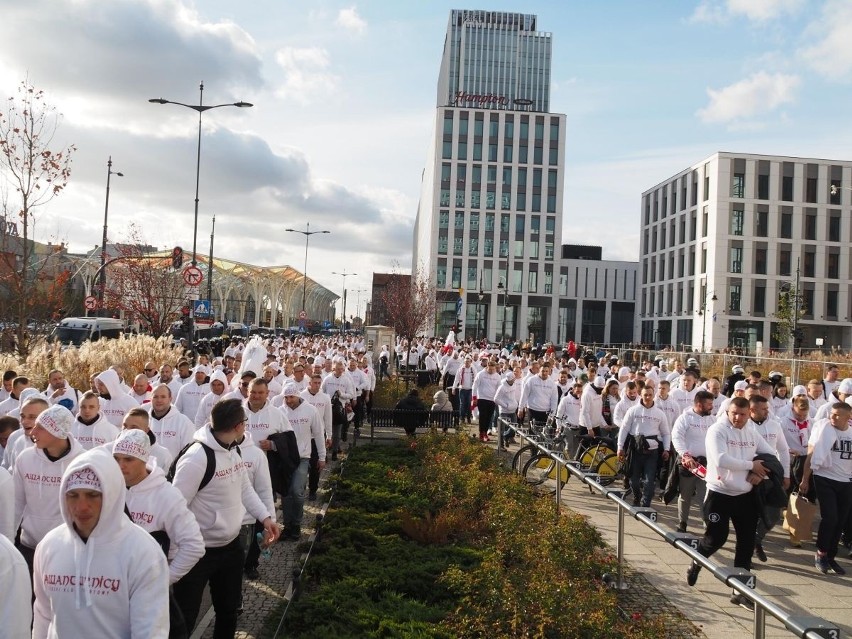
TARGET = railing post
x,y
619,551
759,630
558,485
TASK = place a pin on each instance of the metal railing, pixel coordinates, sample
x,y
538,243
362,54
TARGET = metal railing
x,y
740,580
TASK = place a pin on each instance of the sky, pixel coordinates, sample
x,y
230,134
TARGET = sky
x,y
344,99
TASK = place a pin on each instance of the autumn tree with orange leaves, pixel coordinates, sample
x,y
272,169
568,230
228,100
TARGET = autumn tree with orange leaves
x,y
408,303
32,173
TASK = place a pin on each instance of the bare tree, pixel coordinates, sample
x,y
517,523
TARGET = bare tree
x,y
409,302
32,174
144,287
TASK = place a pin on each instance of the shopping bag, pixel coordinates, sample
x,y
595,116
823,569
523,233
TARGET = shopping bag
x,y
799,517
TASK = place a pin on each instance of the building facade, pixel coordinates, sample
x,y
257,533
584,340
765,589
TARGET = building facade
x,y
489,220
725,240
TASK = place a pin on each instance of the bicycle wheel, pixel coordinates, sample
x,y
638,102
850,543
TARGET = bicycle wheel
x,y
523,451
608,469
541,468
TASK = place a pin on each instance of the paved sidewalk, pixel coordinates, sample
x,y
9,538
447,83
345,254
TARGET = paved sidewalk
x,y
789,578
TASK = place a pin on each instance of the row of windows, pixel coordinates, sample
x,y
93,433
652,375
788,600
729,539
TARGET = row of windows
x,y
490,198
494,125
508,156
484,280
530,248
809,225
505,221
520,174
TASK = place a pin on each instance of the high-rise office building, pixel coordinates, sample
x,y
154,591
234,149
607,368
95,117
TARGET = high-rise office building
x,y
727,238
489,220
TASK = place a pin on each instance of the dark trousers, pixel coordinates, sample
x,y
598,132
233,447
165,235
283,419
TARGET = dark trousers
x,y
253,550
719,512
539,416
449,380
486,414
222,568
383,370
644,469
313,468
835,500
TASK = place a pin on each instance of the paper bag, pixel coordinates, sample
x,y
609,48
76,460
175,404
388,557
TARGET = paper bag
x,y
799,517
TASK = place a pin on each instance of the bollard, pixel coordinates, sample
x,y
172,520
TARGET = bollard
x,y
619,552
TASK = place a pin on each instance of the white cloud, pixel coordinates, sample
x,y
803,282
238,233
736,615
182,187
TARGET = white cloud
x,y
351,21
720,11
758,94
831,53
305,73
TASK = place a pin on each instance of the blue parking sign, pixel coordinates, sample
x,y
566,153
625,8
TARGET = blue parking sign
x,y
202,308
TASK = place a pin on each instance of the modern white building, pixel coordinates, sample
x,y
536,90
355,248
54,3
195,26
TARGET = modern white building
x,y
723,239
489,220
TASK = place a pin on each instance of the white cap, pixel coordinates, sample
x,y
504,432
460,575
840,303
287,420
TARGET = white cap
x,y
741,385
85,478
291,390
134,443
201,368
799,390
845,386
599,382
56,420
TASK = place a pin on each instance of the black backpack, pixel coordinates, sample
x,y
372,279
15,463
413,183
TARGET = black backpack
x,y
338,413
208,471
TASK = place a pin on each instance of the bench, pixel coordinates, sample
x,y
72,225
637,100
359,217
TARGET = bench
x,y
396,419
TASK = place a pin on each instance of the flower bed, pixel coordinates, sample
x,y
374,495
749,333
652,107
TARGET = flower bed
x,y
435,539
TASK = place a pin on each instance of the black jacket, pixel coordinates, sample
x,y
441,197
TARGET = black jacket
x,y
770,493
283,460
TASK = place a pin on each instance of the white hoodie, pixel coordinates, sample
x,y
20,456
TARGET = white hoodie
x,y
219,508
322,403
101,432
7,507
173,431
119,402
202,415
154,505
37,493
730,453
189,398
306,423
113,585
266,421
16,586
257,468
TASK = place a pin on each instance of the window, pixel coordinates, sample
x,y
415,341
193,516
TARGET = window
x,y
738,185
809,263
787,188
784,261
811,190
444,220
831,304
834,192
504,222
448,123
548,282
441,279
507,178
737,220
486,278
832,267
736,259
471,277
459,219
787,225
474,221
456,282
548,250
834,227
549,224
705,221
493,127
703,259
447,150
489,200
522,201
761,224
759,299
551,204
504,248
445,197
489,221
442,244
519,224
762,187
534,250
517,281
462,150
507,151
491,174
533,282
457,245
693,225
537,155
760,261
477,125
509,130
536,202
475,199
523,156
460,197
519,248
810,226
535,224
488,247
473,246
553,155
735,297
477,151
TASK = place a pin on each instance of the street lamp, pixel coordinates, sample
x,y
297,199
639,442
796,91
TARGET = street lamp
x,y
501,288
102,282
703,313
307,233
358,303
344,274
479,299
200,108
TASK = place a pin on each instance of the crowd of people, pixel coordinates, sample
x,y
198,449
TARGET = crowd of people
x,y
121,502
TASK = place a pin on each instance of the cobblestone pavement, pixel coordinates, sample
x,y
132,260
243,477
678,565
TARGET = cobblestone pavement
x,y
262,597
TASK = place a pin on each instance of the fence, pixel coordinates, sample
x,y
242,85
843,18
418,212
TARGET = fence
x,y
742,581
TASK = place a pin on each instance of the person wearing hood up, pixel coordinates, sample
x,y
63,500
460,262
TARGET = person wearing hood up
x,y
156,506
38,472
114,401
97,574
172,428
219,507
90,427
190,395
218,388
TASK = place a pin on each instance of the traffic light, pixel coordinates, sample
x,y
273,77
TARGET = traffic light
x,y
459,325
177,257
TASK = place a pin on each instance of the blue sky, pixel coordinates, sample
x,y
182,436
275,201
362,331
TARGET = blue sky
x,y
345,95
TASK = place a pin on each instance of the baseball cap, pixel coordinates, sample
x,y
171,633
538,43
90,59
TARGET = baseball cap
x,y
741,385
845,386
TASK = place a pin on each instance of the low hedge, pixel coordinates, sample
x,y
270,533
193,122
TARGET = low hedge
x,y
434,539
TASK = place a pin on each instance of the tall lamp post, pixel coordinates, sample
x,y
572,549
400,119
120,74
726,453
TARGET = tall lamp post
x,y
358,291
343,274
307,233
199,108
102,279
501,288
480,296
703,313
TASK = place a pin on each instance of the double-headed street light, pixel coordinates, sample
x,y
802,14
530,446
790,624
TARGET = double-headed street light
x,y
501,288
703,313
307,233
200,108
344,274
102,279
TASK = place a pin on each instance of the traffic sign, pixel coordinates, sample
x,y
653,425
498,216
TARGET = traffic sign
x,y
191,293
91,303
202,308
193,276
303,315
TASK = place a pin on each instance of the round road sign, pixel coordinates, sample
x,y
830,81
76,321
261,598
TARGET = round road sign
x,y
91,303
192,276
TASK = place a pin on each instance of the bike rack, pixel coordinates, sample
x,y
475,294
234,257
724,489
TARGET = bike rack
x,y
741,581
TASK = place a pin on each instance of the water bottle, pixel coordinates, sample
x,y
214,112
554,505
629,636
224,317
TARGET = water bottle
x,y
266,553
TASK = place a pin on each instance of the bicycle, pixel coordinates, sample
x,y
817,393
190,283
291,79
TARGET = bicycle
x,y
540,432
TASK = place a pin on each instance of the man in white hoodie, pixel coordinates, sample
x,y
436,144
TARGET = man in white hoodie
x,y
305,421
190,395
173,429
90,427
115,402
219,507
156,506
322,403
218,388
38,472
96,574
13,401
60,392
31,408
16,586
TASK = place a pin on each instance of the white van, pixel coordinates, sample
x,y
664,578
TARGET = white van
x,y
73,331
